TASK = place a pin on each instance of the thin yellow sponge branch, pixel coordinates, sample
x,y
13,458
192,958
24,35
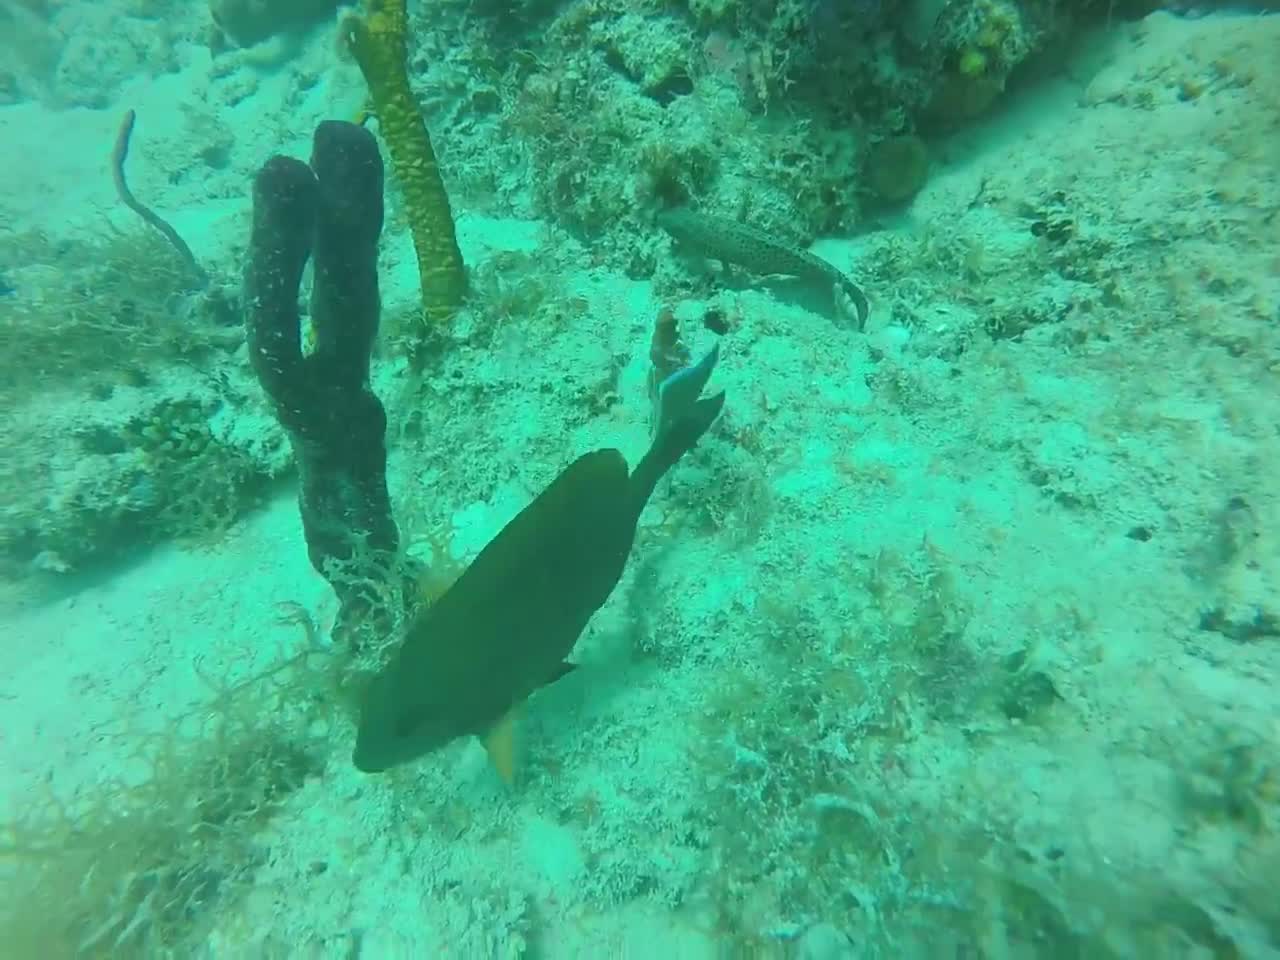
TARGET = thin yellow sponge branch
x,y
379,42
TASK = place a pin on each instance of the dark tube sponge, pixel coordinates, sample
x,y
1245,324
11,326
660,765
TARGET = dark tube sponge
x,y
332,211
344,297
285,197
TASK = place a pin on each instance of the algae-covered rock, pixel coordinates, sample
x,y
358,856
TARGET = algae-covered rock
x,y
898,167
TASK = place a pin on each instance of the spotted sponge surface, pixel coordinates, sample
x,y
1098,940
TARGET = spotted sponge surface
x,y
379,43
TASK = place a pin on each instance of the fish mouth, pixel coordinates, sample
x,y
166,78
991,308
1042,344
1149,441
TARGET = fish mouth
x,y
378,749
366,761
376,752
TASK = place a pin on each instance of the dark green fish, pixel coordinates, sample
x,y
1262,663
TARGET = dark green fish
x,y
505,627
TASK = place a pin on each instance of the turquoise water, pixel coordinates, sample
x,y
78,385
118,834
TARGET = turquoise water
x,y
350,390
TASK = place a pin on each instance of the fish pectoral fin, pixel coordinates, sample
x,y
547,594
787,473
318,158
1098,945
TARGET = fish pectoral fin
x,y
500,743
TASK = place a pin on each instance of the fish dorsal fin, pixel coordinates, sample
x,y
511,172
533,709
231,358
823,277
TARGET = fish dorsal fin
x,y
500,743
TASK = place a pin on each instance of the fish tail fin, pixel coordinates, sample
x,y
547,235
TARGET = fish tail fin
x,y
683,417
852,302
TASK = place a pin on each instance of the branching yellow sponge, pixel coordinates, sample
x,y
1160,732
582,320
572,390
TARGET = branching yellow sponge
x,y
379,43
